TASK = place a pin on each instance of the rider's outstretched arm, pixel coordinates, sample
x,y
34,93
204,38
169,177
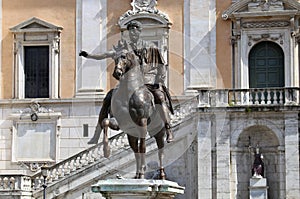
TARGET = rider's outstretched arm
x,y
108,54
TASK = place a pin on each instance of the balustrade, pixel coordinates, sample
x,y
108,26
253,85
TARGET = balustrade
x,y
252,96
264,96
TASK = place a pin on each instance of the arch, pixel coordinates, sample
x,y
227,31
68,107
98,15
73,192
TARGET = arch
x,y
267,142
257,122
147,19
266,65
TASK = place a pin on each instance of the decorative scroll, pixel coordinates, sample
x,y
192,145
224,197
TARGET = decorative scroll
x,y
143,6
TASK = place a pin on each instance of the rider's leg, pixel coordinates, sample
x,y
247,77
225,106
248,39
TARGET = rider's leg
x,y
160,98
159,137
102,115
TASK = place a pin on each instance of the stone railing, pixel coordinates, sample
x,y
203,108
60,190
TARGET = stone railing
x,y
77,162
14,183
184,109
245,97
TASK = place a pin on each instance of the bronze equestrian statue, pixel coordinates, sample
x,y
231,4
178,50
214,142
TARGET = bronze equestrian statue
x,y
154,72
134,110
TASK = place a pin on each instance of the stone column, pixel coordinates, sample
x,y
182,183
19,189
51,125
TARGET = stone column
x,y
91,37
204,158
292,155
223,155
281,166
200,45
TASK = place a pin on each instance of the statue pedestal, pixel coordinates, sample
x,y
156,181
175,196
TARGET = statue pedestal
x,y
258,188
137,188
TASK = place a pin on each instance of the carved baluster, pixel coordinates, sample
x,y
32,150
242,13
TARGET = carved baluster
x,y
251,100
12,181
91,157
55,174
73,165
262,97
79,161
256,97
269,96
5,183
99,151
86,158
61,171
281,97
1,183
67,168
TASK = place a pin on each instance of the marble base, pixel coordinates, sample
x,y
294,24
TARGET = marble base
x,y
258,188
137,188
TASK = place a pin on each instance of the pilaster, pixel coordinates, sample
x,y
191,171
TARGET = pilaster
x,y
91,34
200,44
292,156
204,158
223,156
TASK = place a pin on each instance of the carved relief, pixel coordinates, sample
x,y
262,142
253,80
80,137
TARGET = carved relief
x,y
265,24
143,6
265,5
258,37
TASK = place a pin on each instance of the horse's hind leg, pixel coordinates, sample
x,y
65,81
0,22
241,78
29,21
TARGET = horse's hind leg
x,y
159,137
142,152
133,143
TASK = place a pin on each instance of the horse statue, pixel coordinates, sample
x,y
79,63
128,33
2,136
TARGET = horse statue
x,y
133,110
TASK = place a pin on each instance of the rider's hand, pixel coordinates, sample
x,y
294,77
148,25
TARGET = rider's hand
x,y
83,53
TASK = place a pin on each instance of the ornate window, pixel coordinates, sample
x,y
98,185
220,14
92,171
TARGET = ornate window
x,y
273,22
36,59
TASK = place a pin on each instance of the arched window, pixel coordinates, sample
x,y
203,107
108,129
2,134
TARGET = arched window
x,y
266,65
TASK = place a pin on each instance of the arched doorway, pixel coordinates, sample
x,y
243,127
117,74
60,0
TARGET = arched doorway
x,y
266,65
265,139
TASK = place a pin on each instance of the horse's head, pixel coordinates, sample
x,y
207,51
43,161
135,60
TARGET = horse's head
x,y
124,59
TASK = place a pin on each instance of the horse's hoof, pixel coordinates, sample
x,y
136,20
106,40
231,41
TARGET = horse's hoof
x,y
141,176
162,175
170,136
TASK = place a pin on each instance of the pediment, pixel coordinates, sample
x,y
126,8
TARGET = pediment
x,y
256,8
147,19
35,25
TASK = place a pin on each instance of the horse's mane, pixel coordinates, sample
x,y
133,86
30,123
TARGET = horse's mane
x,y
120,47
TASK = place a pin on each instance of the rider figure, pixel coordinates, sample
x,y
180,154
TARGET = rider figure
x,y
154,71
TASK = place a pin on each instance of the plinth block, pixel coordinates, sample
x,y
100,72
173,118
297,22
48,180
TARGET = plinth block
x,y
258,188
137,188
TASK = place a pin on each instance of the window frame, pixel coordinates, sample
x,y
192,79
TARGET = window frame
x,y
35,32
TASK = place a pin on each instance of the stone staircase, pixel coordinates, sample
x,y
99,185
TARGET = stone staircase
x,y
74,176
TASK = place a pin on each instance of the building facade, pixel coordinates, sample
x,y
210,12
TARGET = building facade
x,y
232,71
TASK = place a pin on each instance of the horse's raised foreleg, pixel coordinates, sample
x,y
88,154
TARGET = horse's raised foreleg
x,y
159,137
113,124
